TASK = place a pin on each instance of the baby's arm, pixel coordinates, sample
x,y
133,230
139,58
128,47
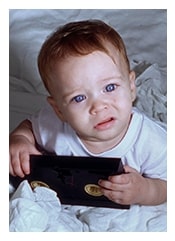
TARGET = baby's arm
x,y
133,188
21,145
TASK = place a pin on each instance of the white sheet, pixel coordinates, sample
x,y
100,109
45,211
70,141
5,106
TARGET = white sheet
x,y
144,33
40,211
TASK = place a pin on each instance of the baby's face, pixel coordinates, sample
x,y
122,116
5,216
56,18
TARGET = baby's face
x,y
95,96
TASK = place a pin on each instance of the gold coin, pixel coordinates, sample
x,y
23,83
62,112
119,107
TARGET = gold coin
x,y
93,190
38,184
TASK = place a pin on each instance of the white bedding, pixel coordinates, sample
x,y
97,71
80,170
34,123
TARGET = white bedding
x,y
144,33
40,211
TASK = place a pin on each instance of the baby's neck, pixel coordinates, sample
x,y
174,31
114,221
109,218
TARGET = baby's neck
x,y
98,147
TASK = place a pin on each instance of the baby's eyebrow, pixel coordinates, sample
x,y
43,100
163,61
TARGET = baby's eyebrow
x,y
71,93
111,78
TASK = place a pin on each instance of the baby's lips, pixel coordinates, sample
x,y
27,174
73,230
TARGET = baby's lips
x,y
104,123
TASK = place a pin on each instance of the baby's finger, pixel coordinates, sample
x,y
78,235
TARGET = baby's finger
x,y
129,169
24,160
11,171
119,179
14,166
25,166
113,195
105,184
17,169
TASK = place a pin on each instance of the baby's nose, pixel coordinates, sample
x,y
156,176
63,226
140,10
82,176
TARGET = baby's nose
x,y
98,106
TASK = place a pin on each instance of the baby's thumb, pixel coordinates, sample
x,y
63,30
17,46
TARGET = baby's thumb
x,y
129,169
26,164
35,151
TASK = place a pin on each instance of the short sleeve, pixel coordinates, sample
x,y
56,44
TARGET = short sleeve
x,y
49,131
154,151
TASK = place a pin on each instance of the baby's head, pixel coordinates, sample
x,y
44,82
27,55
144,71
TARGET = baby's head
x,y
85,68
78,39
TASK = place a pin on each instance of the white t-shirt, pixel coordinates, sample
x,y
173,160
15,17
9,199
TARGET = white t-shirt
x,y
143,147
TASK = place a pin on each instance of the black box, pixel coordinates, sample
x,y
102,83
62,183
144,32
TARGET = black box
x,y
75,179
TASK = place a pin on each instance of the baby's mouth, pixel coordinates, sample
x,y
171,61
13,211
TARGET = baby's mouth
x,y
105,124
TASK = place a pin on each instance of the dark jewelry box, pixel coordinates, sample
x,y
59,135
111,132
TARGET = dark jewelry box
x,y
75,179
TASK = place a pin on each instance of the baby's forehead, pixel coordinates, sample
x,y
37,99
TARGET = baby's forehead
x,y
96,62
113,53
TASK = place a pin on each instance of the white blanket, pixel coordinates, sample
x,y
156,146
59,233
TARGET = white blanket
x,y
40,211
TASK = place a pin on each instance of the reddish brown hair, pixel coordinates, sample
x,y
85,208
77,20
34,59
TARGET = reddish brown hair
x,y
77,38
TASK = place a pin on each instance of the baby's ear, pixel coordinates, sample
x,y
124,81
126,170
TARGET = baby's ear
x,y
55,107
132,84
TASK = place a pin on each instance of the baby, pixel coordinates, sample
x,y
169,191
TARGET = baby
x,y
85,68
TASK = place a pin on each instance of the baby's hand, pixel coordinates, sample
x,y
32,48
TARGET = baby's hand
x,y
20,149
125,188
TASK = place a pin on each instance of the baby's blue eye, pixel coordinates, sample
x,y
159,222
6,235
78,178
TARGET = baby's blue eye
x,y
110,87
79,98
